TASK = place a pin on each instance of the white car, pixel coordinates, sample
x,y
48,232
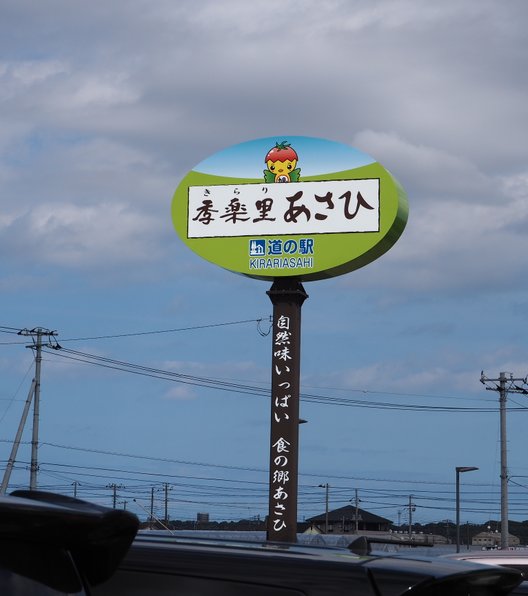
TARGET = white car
x,y
515,558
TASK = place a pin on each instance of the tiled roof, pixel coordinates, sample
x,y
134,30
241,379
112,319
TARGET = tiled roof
x,y
349,513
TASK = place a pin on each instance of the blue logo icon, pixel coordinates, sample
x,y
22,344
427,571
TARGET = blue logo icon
x,y
257,248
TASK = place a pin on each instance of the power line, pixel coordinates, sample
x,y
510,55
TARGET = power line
x,y
227,493
236,387
15,331
12,330
201,495
247,389
161,331
13,399
232,467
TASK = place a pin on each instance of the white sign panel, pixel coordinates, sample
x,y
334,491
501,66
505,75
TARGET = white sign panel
x,y
323,207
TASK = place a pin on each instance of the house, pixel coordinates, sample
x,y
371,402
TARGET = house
x,y
343,521
493,540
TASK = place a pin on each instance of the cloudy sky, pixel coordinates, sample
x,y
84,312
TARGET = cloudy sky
x,y
105,106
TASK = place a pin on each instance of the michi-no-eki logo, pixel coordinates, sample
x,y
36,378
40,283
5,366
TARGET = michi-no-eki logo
x,y
281,254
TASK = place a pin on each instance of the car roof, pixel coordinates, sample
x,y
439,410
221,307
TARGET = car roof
x,y
305,554
244,545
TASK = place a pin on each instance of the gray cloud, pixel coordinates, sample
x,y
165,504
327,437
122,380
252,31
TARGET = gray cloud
x,y
109,105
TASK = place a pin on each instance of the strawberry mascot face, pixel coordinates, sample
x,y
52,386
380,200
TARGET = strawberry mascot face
x,y
282,161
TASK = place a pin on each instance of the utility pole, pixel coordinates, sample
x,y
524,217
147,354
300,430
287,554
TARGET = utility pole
x,y
39,332
151,518
504,384
36,411
357,513
411,509
75,484
166,489
326,486
114,488
36,335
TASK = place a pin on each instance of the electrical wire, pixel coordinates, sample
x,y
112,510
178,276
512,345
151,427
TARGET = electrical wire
x,y
231,386
229,494
161,331
13,330
231,467
16,331
12,399
241,388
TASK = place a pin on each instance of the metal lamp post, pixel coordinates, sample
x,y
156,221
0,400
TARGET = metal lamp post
x,y
459,470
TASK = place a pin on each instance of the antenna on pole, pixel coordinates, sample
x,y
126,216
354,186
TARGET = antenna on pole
x,y
505,384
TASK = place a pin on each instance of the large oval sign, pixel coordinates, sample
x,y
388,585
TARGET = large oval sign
x,y
289,207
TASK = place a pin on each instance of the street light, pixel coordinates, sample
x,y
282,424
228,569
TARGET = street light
x,y
459,470
326,486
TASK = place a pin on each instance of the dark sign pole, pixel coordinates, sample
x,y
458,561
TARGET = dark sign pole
x,y
287,296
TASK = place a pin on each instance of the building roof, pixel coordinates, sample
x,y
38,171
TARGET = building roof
x,y
349,513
